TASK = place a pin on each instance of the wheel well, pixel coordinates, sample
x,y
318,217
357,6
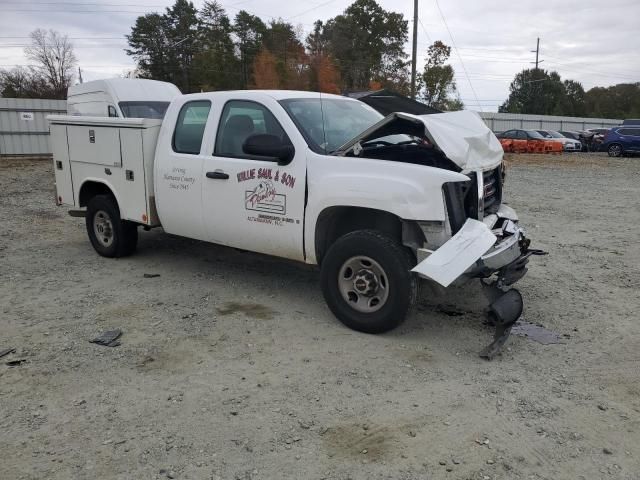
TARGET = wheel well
x,y
335,222
90,190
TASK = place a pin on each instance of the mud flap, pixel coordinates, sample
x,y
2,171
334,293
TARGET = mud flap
x,y
504,312
453,258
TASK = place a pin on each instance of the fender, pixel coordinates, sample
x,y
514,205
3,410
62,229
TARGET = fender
x,y
411,192
103,182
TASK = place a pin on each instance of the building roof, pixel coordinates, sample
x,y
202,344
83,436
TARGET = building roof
x,y
387,101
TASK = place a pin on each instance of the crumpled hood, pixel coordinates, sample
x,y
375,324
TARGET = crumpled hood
x,y
462,136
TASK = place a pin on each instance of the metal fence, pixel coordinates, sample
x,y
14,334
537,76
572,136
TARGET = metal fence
x,y
24,129
499,122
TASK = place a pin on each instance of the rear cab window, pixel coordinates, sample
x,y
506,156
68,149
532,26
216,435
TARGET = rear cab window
x,y
189,130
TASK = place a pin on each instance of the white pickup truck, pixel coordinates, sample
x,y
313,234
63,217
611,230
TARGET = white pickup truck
x,y
377,203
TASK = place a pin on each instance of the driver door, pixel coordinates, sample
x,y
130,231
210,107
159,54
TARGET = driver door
x,y
249,202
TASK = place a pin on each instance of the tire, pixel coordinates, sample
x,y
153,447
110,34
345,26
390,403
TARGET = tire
x,y
615,150
110,236
366,281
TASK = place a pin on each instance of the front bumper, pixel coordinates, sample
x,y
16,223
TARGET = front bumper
x,y
479,249
505,251
573,147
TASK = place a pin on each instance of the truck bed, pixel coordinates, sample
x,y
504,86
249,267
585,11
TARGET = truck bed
x,y
116,152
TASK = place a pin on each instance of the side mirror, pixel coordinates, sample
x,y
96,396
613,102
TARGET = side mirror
x,y
265,145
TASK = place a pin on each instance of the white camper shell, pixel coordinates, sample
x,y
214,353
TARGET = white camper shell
x,y
121,97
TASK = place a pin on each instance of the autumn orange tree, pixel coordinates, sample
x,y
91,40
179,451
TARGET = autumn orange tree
x,y
327,75
265,74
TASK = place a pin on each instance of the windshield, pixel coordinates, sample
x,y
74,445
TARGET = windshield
x,y
332,123
556,134
144,109
535,134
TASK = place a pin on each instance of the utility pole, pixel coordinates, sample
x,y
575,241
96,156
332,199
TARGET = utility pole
x,y
415,49
537,52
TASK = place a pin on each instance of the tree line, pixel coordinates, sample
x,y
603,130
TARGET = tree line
x,y
205,49
361,49
543,92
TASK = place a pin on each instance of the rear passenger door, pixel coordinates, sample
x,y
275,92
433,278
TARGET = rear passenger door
x,y
178,182
636,139
253,203
631,138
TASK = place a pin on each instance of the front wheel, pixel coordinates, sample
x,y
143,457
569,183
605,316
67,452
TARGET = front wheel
x,y
367,282
615,150
109,235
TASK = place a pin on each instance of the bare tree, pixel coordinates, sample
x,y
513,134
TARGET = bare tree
x,y
54,59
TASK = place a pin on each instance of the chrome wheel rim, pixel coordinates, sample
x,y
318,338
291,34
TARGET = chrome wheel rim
x,y
615,150
363,284
103,228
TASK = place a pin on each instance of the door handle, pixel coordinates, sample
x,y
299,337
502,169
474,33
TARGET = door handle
x,y
218,174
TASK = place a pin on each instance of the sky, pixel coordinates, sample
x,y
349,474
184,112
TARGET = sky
x,y
593,42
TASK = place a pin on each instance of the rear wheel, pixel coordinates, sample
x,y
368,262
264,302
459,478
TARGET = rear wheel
x,y
615,150
367,282
109,235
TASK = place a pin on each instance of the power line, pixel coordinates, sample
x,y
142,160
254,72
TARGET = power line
x,y
311,9
146,5
425,32
457,52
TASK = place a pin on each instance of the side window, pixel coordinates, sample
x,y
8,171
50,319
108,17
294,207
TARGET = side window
x,y
112,111
187,137
629,131
521,135
240,119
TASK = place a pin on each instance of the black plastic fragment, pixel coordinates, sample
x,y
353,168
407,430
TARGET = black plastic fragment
x,y
108,338
6,351
15,363
151,275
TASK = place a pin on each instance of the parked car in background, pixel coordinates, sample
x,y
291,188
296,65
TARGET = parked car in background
x,y
520,134
597,137
577,136
568,144
624,140
521,140
631,121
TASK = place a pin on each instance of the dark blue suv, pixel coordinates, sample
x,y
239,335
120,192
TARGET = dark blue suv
x,y
624,140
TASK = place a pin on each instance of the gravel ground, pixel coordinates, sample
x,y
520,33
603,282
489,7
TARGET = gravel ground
x,y
232,367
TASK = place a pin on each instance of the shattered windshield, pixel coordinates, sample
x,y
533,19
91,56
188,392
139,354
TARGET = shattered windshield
x,y
329,123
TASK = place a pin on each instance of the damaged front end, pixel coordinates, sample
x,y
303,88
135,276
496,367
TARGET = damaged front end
x,y
480,237
495,250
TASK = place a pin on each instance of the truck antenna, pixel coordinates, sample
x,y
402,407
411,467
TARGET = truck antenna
x,y
324,133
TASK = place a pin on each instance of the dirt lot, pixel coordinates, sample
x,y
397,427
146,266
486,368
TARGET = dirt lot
x,y
232,367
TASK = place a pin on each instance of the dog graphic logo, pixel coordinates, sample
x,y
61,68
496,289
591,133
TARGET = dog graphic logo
x,y
263,198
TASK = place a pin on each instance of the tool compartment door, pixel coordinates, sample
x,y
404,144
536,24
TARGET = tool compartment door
x,y
134,197
97,145
61,165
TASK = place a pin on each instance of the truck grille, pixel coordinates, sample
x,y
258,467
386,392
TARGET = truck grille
x,y
492,190
463,199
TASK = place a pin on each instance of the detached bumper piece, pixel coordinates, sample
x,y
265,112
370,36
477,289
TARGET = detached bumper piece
x,y
496,248
503,312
